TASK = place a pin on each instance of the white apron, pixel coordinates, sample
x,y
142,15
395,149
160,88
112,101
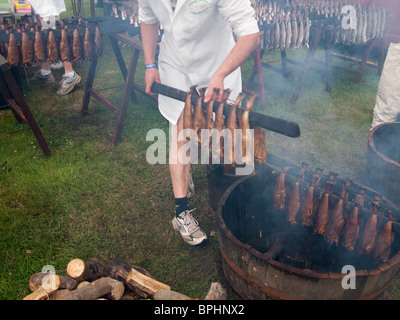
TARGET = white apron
x,y
197,38
48,8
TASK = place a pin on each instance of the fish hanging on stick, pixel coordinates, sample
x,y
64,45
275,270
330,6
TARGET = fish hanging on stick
x,y
384,240
40,52
65,50
322,214
279,196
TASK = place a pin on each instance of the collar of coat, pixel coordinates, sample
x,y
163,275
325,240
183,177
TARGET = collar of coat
x,y
167,4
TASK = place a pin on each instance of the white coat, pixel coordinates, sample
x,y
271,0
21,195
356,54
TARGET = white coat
x,y
48,8
197,38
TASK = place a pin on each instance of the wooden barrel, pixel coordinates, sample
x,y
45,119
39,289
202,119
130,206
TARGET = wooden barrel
x,y
383,157
243,233
218,183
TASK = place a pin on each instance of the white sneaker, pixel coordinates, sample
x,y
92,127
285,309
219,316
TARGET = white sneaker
x,y
189,228
57,65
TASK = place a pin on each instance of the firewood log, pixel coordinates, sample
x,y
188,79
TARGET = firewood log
x,y
145,283
119,270
50,285
105,286
66,282
164,294
81,270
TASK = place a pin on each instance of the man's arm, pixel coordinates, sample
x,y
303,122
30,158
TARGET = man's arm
x,y
244,46
149,43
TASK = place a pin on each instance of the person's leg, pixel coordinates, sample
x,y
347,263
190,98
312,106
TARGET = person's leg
x,y
44,73
180,172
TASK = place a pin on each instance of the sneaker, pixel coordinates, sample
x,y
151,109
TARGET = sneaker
x,y
68,84
189,228
190,192
39,77
57,65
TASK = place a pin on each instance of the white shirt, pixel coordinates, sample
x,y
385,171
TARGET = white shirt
x,y
197,38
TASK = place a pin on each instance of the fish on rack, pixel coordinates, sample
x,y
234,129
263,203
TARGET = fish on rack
x,y
27,52
368,237
279,196
384,240
52,51
65,50
12,50
351,229
199,120
244,124
87,44
40,52
336,219
188,114
294,202
322,214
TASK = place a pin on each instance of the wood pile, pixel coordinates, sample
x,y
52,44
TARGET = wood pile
x,y
95,280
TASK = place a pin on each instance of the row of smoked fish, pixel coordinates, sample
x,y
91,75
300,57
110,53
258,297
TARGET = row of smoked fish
x,y
335,217
38,45
127,10
292,22
197,118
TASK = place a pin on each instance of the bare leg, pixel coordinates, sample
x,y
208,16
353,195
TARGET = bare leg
x,y
68,67
179,172
45,66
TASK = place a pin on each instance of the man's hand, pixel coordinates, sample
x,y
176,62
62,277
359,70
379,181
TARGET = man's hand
x,y
244,46
152,75
217,82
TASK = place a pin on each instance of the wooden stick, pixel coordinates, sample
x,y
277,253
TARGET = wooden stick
x,y
145,283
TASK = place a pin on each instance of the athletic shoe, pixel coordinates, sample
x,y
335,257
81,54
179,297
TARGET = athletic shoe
x,y
68,84
190,192
189,228
39,77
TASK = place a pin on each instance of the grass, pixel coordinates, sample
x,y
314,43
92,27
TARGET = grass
x,y
94,200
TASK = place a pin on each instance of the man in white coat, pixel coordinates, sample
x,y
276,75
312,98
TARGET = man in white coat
x,y
197,48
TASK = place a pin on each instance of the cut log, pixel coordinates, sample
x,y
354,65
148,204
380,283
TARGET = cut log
x,y
164,294
50,285
145,283
81,270
66,282
216,292
119,270
105,286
